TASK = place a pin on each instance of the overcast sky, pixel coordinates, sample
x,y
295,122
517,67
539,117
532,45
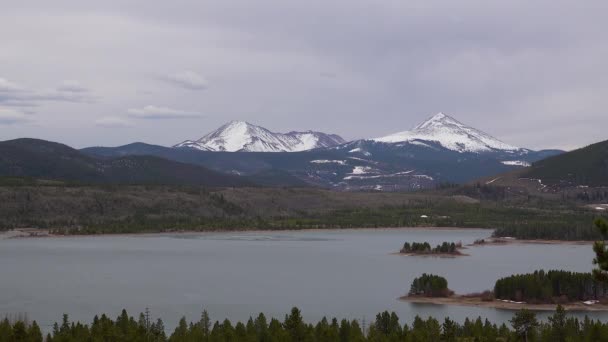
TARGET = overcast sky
x,y
531,73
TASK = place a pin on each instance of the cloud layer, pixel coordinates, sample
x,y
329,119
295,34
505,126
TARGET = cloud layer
x,y
112,121
13,94
530,73
156,112
9,116
187,79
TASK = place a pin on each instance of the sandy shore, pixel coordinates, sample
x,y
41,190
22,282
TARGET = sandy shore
x,y
498,304
24,233
27,232
505,241
489,241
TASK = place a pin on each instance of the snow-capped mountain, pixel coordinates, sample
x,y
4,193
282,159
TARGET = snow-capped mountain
x,y
451,134
241,136
439,150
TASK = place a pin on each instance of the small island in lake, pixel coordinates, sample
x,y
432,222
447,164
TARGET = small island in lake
x,y
446,249
537,291
429,285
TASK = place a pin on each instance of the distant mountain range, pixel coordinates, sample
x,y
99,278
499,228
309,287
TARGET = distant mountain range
x,y
35,158
440,149
241,136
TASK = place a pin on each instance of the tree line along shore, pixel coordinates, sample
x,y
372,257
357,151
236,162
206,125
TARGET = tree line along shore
x,y
537,290
532,289
386,327
109,209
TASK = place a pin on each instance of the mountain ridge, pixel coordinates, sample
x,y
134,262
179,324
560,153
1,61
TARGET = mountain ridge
x,y
241,136
451,134
437,151
35,158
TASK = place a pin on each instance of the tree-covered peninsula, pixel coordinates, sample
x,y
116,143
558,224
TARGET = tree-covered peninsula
x,y
424,248
550,287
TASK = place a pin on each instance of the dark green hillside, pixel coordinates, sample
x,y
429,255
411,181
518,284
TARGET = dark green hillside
x,y
585,166
44,159
41,159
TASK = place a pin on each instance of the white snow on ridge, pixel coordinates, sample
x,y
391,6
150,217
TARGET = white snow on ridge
x,y
516,163
419,143
307,141
322,161
493,180
366,172
360,170
359,150
240,136
363,160
449,133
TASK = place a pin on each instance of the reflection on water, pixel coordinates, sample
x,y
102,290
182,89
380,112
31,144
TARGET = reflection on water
x,y
343,273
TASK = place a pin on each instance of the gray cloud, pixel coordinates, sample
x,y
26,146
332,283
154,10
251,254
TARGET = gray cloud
x,y
13,94
9,116
72,86
7,86
112,121
527,72
187,79
159,112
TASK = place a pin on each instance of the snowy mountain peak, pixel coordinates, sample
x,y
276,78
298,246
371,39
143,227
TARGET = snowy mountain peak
x,y
451,134
241,136
438,120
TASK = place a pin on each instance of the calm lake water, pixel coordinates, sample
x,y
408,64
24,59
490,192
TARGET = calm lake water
x,y
348,274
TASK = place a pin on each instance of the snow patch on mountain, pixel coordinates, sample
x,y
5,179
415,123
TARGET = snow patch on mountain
x,y
363,160
241,136
516,163
451,134
360,173
359,170
360,150
323,161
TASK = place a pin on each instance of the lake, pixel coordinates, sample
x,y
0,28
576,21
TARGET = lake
x,y
343,273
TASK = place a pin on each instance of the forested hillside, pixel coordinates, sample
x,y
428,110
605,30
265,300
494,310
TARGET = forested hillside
x,y
48,160
154,208
587,166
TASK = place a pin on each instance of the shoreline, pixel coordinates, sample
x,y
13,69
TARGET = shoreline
x,y
26,233
492,241
433,255
459,300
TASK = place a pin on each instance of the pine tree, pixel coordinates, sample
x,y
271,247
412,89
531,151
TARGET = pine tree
x,y
558,324
449,330
601,252
295,325
33,333
524,322
205,324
